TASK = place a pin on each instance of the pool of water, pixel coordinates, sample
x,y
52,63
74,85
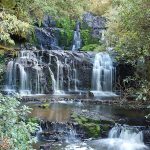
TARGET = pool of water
x,y
61,112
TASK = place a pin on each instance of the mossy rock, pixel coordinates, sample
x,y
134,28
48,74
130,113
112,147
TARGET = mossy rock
x,y
105,127
111,122
92,129
83,119
94,121
33,120
44,106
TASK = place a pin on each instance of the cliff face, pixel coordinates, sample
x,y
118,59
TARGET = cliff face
x,y
59,72
51,35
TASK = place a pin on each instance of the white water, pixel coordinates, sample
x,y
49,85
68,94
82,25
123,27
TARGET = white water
x,y
79,146
9,75
102,75
122,138
24,86
59,78
76,38
25,74
17,76
75,77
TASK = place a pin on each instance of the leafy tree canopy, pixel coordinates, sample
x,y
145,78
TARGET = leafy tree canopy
x,y
129,28
17,16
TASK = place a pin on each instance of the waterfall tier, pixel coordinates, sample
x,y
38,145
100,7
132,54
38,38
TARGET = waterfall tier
x,y
77,38
103,74
122,138
59,72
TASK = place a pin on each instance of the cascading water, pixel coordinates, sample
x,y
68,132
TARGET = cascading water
x,y
60,77
76,38
18,75
59,72
75,77
122,138
9,76
102,75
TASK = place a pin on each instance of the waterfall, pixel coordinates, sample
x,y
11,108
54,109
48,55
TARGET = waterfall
x,y
18,77
65,77
9,75
59,79
24,86
53,80
68,67
102,74
59,72
76,38
126,133
75,77
123,138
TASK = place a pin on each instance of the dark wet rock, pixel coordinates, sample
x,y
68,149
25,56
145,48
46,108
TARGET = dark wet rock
x,y
46,38
45,147
89,95
54,131
137,121
146,136
93,128
48,21
97,23
123,121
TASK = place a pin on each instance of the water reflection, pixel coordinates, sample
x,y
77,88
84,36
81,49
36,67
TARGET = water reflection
x,y
55,112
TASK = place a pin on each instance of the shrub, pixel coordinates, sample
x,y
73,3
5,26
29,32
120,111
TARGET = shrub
x,y
15,131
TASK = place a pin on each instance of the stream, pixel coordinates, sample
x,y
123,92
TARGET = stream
x,y
57,133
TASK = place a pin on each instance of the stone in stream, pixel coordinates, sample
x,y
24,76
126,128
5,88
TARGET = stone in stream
x,y
45,147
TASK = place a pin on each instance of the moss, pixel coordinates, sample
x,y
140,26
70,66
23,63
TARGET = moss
x,y
94,47
94,121
65,23
83,119
105,127
66,37
90,126
92,129
44,106
33,120
111,122
87,38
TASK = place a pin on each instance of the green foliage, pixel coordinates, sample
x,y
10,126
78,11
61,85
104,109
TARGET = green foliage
x,y
94,47
66,34
13,125
128,28
91,127
2,69
89,43
140,90
16,15
143,93
87,37
65,39
99,7
10,25
45,105
128,32
65,23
